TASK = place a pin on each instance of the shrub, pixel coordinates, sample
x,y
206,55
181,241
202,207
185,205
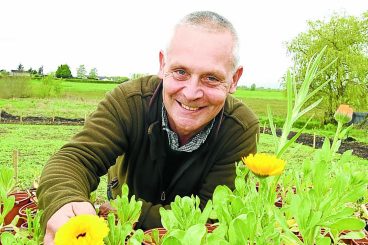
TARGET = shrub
x,y
50,87
15,87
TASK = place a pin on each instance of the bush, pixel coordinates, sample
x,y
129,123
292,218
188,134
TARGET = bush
x,y
50,87
253,87
15,87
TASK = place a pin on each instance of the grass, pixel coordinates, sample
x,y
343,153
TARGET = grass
x,y
68,108
35,144
260,94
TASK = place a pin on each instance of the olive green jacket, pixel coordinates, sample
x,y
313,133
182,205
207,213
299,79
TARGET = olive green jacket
x,y
128,122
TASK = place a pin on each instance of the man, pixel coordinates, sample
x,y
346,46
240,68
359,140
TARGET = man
x,y
178,134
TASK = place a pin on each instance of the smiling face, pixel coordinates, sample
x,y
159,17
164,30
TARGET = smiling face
x,y
198,74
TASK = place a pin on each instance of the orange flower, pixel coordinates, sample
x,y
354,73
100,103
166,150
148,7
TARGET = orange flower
x,y
344,114
264,165
82,229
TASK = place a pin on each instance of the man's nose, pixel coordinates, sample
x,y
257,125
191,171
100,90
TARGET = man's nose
x,y
193,89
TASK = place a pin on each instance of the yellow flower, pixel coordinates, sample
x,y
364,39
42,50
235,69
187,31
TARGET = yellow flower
x,y
264,165
82,229
344,114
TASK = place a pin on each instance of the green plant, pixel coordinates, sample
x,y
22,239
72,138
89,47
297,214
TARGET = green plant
x,y
324,190
6,185
184,223
34,226
122,233
245,215
128,212
184,213
195,235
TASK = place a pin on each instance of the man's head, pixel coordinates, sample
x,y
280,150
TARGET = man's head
x,y
199,69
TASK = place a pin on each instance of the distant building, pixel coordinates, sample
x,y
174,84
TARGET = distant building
x,y
358,117
104,78
17,73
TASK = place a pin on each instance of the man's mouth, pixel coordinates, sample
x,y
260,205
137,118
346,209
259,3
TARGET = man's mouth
x,y
189,108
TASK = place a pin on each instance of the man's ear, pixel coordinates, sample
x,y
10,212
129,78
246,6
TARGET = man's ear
x,y
162,64
236,78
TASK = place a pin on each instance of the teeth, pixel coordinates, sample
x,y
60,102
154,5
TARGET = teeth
x,y
189,108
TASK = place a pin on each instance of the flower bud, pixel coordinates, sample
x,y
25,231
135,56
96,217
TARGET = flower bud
x,y
344,114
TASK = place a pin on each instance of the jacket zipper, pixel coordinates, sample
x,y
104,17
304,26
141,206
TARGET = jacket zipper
x,y
163,196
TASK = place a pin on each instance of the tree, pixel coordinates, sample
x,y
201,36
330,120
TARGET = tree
x,y
63,71
81,72
137,75
31,71
93,74
20,67
40,71
253,87
346,40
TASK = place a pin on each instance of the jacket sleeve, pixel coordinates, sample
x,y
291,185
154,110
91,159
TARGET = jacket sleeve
x,y
233,147
73,172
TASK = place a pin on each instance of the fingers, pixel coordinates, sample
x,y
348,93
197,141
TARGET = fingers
x,y
61,216
82,208
48,238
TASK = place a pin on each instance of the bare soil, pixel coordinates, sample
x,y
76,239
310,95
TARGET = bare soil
x,y
359,149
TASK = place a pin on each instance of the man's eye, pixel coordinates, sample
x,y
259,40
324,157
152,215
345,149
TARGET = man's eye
x,y
211,79
180,74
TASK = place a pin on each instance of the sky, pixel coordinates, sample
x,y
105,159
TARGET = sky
x,y
120,38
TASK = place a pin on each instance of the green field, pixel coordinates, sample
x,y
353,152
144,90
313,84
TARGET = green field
x,y
79,99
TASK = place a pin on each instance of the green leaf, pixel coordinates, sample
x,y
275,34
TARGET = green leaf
x,y
272,127
310,107
289,81
195,234
7,238
238,232
348,224
173,237
353,235
6,179
292,140
323,241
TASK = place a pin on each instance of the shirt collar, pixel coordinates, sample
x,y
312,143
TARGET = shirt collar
x,y
193,144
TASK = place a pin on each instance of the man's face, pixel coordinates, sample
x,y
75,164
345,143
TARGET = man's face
x,y
197,75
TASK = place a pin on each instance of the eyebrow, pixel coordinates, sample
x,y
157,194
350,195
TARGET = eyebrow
x,y
215,73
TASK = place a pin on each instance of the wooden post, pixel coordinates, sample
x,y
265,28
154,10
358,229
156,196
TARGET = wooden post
x,y
264,127
20,119
314,140
15,164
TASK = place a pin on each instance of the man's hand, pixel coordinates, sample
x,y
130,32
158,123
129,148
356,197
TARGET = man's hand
x,y
61,216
